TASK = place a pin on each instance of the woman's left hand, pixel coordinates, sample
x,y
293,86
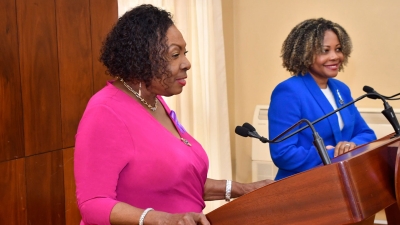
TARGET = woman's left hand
x,y
343,147
246,188
215,189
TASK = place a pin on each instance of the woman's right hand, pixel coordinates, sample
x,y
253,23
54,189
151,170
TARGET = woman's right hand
x,y
185,219
123,213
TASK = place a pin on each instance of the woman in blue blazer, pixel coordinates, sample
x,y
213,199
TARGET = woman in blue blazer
x,y
314,52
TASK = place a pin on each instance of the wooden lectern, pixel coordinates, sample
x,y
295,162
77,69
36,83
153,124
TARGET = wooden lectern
x,y
351,190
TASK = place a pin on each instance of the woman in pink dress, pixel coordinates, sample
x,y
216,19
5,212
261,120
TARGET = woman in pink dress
x,y
134,162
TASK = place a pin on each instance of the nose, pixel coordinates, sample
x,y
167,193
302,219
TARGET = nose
x,y
186,64
333,55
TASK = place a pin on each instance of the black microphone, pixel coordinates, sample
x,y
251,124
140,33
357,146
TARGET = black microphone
x,y
369,89
245,132
249,126
387,112
254,132
242,131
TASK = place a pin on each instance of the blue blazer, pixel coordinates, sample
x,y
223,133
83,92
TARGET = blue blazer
x,y
299,97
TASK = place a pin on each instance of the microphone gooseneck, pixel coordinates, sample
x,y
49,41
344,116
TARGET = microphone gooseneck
x,y
248,130
315,121
277,138
318,143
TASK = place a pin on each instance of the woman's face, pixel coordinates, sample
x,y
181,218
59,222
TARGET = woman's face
x,y
178,65
326,65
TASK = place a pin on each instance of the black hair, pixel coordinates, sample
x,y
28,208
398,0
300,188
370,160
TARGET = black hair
x,y
136,47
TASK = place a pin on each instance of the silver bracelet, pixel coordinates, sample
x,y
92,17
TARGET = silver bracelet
x,y
143,215
228,190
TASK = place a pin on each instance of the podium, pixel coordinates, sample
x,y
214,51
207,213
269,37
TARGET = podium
x,y
351,190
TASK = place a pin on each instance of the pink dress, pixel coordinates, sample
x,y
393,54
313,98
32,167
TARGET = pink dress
x,y
123,154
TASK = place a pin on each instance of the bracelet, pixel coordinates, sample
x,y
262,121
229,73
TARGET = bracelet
x,y
143,215
228,190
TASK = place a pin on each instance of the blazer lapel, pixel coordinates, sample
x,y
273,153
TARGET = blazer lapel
x,y
344,113
324,104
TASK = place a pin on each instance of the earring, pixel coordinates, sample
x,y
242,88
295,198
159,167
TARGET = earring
x,y
140,89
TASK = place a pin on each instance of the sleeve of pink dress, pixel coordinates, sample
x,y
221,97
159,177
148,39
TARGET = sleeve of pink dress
x,y
97,165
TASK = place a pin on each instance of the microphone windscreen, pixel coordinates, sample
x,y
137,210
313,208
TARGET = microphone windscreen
x,y
249,126
368,89
242,131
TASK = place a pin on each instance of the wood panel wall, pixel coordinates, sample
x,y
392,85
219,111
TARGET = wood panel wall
x,y
49,69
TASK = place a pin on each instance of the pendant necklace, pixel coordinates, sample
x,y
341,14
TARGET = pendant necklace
x,y
185,141
152,108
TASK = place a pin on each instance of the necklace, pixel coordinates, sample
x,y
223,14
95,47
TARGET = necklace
x,y
186,142
152,108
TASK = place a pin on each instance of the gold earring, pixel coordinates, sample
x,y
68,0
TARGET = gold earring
x,y
140,89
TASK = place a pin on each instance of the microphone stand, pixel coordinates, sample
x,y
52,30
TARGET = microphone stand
x,y
388,110
389,114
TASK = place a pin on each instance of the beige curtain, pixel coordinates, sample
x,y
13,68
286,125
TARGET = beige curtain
x,y
202,107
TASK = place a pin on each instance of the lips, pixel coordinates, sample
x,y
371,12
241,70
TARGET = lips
x,y
181,81
332,67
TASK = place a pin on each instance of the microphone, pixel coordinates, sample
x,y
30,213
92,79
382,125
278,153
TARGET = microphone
x,y
369,89
245,132
249,126
242,131
254,132
388,111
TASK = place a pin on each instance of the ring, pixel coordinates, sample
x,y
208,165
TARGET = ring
x,y
347,145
